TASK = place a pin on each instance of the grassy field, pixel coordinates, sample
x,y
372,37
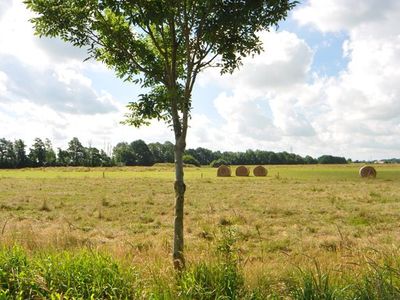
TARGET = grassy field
x,y
297,218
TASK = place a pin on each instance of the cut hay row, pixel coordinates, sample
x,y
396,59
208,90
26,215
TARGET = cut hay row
x,y
241,171
260,171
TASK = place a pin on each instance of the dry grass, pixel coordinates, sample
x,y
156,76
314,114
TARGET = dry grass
x,y
292,217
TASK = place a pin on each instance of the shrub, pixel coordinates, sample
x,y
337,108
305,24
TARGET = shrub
x,y
316,286
16,275
211,281
329,159
63,276
218,162
190,160
381,282
222,279
86,275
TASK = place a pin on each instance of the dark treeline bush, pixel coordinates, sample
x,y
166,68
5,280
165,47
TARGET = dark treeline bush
x,y
329,159
138,153
391,161
258,157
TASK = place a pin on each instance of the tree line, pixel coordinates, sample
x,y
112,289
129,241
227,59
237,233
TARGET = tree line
x,y
14,154
42,154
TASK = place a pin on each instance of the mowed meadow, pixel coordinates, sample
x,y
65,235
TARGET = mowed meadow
x,y
320,224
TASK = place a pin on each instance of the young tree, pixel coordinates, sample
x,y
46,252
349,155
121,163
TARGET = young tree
x,y
143,155
63,158
50,154
37,154
7,154
167,150
168,43
105,160
156,151
20,154
124,155
76,152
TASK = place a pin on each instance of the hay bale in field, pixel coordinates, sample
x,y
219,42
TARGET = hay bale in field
x,y
223,171
367,172
242,171
260,171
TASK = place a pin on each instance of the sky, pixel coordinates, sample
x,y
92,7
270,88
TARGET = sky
x,y
327,82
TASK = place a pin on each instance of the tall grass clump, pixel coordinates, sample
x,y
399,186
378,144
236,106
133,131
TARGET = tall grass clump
x,y
313,287
316,285
382,281
16,275
87,275
83,275
219,279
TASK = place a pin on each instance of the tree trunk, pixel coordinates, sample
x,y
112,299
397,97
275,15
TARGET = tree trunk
x,y
178,257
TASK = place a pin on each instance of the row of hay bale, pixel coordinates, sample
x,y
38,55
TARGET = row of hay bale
x,y
225,171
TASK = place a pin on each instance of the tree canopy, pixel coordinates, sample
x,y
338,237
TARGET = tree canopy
x,y
167,42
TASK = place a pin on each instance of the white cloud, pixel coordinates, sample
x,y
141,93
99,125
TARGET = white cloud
x,y
337,15
16,36
62,89
45,71
4,6
355,113
285,61
246,116
43,89
27,120
268,95
363,112
3,84
17,39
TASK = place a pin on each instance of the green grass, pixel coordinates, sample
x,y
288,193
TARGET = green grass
x,y
283,221
82,275
88,274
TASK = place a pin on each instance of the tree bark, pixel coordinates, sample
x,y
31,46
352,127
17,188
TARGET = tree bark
x,y
180,187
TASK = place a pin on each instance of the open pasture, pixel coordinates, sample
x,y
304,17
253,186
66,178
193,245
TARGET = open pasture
x,y
296,216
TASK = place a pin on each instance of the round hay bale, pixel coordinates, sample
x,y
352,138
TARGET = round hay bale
x,y
260,171
242,171
223,171
367,172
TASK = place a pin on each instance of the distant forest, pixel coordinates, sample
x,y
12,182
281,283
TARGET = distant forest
x,y
14,154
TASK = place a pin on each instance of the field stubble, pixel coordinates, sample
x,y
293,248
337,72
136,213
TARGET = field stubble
x,y
295,218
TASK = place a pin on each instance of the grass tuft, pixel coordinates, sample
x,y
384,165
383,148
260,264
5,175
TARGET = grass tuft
x,y
45,206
